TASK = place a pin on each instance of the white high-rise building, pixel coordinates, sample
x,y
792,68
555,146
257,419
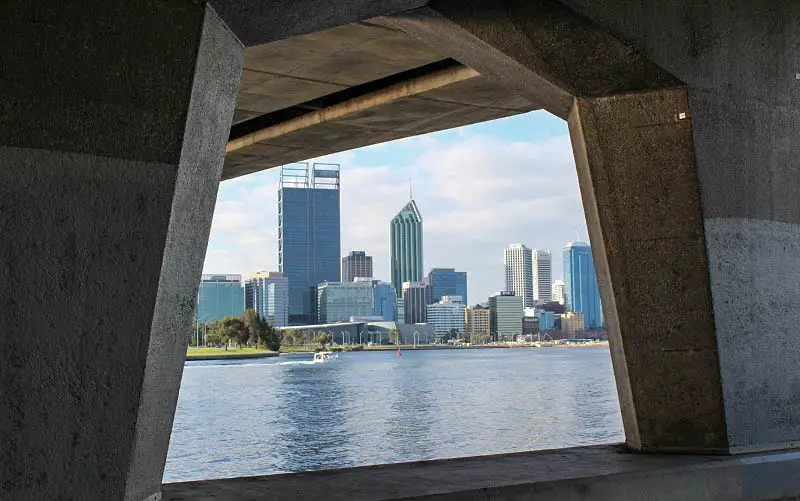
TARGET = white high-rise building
x,y
542,275
447,315
558,291
519,272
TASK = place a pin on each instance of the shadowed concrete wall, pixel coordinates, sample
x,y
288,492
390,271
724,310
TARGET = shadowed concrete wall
x,y
112,137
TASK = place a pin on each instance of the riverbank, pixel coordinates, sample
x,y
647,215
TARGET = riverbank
x,y
229,354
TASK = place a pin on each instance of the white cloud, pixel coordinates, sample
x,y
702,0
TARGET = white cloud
x,y
477,194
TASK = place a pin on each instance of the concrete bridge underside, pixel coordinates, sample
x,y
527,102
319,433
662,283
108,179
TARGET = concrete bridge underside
x,y
118,119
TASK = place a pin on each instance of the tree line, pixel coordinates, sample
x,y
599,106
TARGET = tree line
x,y
248,330
253,331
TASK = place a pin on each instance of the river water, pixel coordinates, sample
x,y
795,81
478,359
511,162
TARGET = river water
x,y
254,417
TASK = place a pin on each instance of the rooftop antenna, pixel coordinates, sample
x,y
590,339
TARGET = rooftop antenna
x,y
410,194
577,234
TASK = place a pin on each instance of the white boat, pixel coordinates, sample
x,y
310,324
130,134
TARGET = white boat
x,y
322,356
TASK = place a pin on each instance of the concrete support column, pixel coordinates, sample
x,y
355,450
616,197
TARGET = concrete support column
x,y
636,168
663,282
741,67
113,126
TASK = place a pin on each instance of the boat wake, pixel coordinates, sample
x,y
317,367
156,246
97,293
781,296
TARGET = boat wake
x,y
298,362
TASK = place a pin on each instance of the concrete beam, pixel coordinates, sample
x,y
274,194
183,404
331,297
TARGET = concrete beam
x,y
544,51
111,147
353,101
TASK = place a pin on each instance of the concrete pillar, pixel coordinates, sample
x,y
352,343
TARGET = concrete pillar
x,y
741,68
686,153
113,123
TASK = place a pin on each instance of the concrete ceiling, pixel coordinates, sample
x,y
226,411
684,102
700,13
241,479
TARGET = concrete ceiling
x,y
298,75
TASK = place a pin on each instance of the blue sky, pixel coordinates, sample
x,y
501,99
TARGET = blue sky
x,y
479,188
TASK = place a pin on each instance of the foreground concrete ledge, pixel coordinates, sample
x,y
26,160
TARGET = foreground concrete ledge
x,y
596,472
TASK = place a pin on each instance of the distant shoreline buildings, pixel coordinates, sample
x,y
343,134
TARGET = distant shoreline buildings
x,y
315,286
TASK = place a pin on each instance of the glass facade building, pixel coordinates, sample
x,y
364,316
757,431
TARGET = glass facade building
x,y
309,237
447,282
506,316
581,293
385,301
268,294
338,301
406,246
218,297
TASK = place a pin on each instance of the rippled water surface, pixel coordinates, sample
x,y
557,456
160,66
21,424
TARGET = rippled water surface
x,y
251,417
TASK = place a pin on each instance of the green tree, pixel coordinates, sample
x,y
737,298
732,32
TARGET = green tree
x,y
480,338
289,337
322,339
214,338
254,326
270,336
233,329
394,336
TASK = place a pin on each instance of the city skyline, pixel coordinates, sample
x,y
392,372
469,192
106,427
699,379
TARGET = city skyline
x,y
471,212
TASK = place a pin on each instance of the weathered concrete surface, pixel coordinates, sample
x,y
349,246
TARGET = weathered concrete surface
x,y
584,473
107,186
537,48
637,173
258,22
740,64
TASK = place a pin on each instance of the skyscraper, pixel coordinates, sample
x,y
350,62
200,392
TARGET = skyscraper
x,y
542,275
406,246
506,316
581,293
268,294
519,272
308,233
558,291
219,296
356,264
416,296
447,282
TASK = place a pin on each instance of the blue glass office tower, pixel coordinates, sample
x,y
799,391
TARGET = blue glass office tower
x,y
309,237
447,282
581,293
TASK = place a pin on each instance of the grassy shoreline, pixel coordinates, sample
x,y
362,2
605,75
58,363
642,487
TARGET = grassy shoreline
x,y
231,353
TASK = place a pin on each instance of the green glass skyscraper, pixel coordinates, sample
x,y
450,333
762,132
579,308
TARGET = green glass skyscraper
x,y
406,246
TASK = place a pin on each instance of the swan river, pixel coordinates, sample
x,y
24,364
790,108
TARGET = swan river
x,y
287,414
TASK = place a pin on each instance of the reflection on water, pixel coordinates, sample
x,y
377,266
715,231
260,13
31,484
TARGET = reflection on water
x,y
241,418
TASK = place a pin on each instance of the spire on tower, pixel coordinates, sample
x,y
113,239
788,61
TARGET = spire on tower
x,y
410,193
